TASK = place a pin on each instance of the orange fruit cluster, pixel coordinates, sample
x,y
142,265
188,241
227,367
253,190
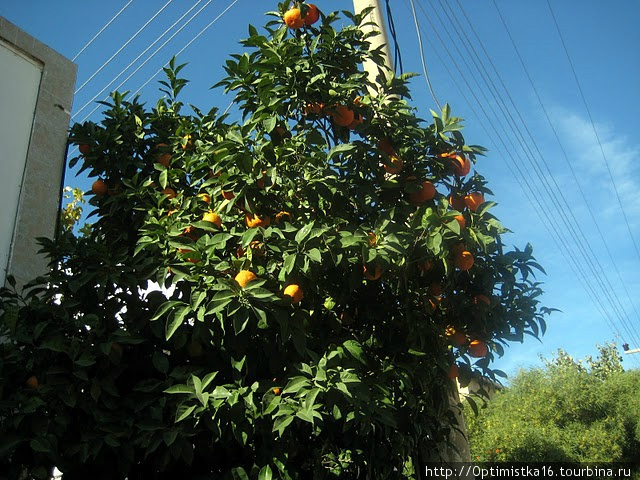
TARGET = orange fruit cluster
x,y
294,20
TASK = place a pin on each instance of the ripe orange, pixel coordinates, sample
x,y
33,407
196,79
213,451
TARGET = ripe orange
x,y
205,197
426,193
99,188
294,292
478,349
228,195
32,382
293,19
395,164
477,299
261,180
164,159
212,217
187,142
169,192
461,221
377,272
342,115
313,14
453,371
277,391
474,200
459,338
461,165
464,261
244,277
85,149
255,221
457,202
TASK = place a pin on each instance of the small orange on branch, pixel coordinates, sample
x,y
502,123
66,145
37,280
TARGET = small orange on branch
x,y
294,292
244,277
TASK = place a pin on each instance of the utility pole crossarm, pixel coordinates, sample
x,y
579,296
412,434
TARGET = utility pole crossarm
x,y
635,350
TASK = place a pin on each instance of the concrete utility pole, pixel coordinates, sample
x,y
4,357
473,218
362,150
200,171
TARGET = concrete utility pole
x,y
382,40
377,41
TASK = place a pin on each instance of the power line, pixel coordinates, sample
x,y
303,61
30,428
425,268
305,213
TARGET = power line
x,y
424,64
564,153
145,51
584,243
188,44
557,238
178,53
595,131
549,190
592,260
123,46
101,30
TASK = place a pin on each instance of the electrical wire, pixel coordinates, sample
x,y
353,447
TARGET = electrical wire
x,y
595,130
143,52
549,190
424,63
178,53
188,44
564,248
397,56
123,46
565,156
101,30
574,228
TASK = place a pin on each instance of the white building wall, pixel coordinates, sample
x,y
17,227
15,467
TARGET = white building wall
x,y
19,84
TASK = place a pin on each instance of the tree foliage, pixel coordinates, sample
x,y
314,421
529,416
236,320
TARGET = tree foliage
x,y
202,378
564,412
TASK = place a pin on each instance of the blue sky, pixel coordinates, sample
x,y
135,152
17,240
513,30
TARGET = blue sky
x,y
602,42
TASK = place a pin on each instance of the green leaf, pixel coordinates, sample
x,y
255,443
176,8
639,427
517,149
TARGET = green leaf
x,y
183,412
342,148
289,263
40,445
315,255
165,307
180,389
303,233
240,321
220,300
270,123
281,424
355,349
175,319
163,178
295,384
265,473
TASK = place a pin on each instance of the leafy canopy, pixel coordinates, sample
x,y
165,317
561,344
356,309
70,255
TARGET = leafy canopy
x,y
320,185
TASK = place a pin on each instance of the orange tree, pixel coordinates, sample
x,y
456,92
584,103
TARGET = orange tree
x,y
322,269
